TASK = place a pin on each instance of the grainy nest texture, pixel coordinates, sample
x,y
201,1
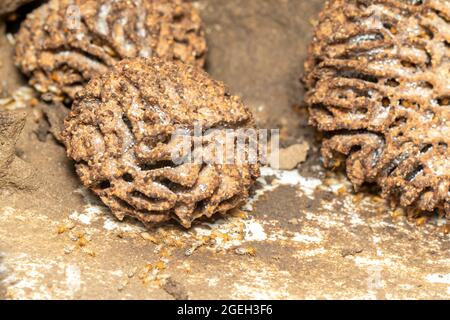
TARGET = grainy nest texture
x,y
378,80
64,43
120,133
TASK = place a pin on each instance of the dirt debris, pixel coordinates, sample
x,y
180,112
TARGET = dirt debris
x,y
292,156
175,289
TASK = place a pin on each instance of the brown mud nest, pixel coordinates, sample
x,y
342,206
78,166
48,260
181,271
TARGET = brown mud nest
x,y
64,43
378,81
120,134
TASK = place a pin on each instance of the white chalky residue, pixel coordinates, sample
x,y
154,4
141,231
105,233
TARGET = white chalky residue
x,y
277,236
258,285
25,278
254,231
310,253
117,273
438,278
258,193
366,262
298,237
111,224
324,221
7,212
88,197
283,177
212,282
293,178
102,23
349,207
73,278
89,214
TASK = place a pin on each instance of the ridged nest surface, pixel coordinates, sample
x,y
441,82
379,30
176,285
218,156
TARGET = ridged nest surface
x,y
378,84
120,133
64,43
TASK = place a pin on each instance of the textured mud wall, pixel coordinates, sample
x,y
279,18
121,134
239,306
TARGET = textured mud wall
x,y
258,47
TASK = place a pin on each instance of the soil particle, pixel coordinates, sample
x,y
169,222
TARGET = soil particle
x,y
175,289
292,156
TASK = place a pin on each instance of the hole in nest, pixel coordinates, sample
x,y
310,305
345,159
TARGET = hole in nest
x,y
156,165
406,103
386,102
127,122
426,148
128,177
322,109
201,205
173,186
355,148
123,204
392,82
105,184
415,2
139,195
413,174
366,37
351,74
390,168
363,110
428,32
444,101
442,145
425,85
362,5
390,27
429,114
429,62
398,122
409,65
178,17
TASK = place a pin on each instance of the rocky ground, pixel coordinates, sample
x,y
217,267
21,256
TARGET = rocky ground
x,y
304,233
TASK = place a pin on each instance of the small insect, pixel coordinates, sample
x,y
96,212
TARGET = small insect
x,y
341,191
421,220
446,229
61,229
149,237
397,213
65,227
160,265
358,198
82,240
90,252
249,251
